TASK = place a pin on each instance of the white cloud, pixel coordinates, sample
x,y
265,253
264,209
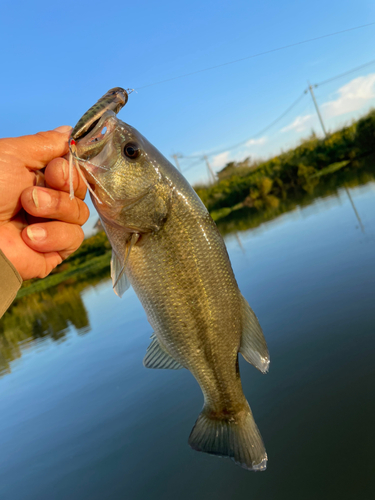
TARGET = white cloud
x,y
220,160
300,124
256,142
352,97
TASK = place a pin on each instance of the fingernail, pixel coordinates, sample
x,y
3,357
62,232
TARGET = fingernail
x,y
36,233
63,129
41,198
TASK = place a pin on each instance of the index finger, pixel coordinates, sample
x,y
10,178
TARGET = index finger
x,y
35,151
57,177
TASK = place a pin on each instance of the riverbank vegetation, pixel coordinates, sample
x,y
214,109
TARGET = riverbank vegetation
x,y
248,194
91,258
264,185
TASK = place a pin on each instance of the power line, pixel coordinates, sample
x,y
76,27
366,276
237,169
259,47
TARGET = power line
x,y
193,164
344,74
256,55
202,157
261,132
234,146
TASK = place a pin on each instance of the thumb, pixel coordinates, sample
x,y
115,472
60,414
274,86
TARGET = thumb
x,y
37,150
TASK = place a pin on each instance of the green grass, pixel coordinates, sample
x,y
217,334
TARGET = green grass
x,y
331,168
93,265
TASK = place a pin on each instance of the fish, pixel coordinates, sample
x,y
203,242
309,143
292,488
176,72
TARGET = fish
x,y
167,247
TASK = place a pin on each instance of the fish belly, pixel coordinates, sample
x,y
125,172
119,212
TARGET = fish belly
x,y
184,279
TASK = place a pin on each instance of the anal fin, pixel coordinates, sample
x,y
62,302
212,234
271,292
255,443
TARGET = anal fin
x,y
253,344
158,357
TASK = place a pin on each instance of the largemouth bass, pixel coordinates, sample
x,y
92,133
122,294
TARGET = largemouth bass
x,y
166,245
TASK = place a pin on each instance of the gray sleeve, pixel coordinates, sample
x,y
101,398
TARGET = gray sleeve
x,y
10,283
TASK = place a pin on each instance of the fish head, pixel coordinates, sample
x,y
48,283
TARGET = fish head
x,y
125,173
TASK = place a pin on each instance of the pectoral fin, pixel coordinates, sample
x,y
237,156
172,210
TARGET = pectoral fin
x,y
253,344
158,357
118,275
119,278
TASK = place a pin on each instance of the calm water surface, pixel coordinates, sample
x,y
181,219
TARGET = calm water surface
x,y
81,418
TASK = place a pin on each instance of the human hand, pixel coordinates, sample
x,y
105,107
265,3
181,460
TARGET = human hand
x,y
39,226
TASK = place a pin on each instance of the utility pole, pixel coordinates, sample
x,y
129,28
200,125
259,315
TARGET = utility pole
x,y
209,170
176,157
325,133
317,108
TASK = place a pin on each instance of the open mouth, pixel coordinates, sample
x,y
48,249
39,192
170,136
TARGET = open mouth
x,y
91,127
86,153
93,140
88,146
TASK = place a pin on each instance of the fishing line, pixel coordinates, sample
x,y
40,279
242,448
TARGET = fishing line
x,y
256,55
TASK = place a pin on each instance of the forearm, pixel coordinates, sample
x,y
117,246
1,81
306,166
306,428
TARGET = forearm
x,y
10,283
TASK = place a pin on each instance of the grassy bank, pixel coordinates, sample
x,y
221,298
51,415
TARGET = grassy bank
x,y
264,185
93,256
92,266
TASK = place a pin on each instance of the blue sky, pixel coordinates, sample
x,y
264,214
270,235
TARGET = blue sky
x,y
59,58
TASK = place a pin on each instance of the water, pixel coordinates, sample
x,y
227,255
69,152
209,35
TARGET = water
x,y
81,418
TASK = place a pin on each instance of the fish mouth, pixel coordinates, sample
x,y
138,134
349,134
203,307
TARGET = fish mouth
x,y
90,154
92,142
90,136
89,129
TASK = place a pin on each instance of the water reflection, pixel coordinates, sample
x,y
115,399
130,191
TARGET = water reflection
x,y
355,209
326,186
52,313
48,314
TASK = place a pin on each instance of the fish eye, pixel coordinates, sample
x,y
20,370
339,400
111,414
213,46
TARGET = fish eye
x,y
131,150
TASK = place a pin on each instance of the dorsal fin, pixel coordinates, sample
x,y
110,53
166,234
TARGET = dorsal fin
x,y
253,344
158,357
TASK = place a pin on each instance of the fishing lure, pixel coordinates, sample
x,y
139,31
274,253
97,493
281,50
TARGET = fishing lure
x,y
113,100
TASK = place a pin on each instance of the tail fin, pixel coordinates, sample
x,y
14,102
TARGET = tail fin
x,y
236,437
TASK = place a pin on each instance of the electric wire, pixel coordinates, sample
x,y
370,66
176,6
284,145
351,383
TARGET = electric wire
x,y
254,136
194,164
265,129
344,74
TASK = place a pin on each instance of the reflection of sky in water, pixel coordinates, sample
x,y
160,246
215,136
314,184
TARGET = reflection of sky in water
x,y
81,418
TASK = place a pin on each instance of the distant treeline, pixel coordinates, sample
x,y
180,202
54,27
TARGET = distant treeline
x,y
263,185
